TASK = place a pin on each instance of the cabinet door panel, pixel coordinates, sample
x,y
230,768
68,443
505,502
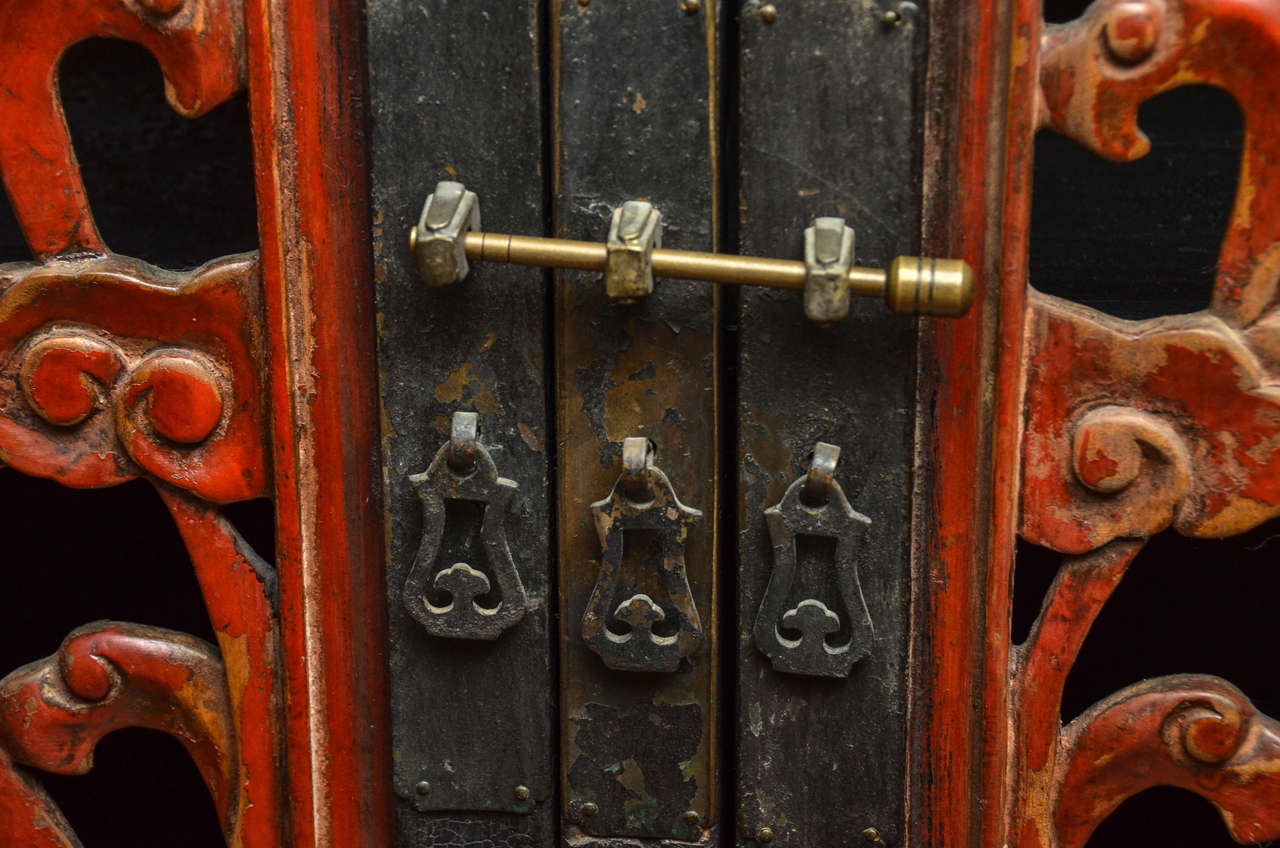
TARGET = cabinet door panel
x,y
634,87
456,95
827,129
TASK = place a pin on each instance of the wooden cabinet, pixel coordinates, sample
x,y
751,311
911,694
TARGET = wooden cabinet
x,y
514,561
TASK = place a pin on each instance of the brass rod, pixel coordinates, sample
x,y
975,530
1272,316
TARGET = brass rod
x,y
680,264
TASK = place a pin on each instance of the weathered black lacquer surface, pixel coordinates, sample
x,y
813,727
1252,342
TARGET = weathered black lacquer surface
x,y
456,95
826,129
634,86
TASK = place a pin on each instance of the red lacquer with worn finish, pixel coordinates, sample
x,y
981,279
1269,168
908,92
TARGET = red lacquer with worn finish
x,y
198,43
1133,427
306,69
112,369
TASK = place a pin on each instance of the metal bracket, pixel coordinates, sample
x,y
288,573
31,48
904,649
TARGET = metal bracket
x,y
634,233
814,505
828,255
462,470
438,241
624,635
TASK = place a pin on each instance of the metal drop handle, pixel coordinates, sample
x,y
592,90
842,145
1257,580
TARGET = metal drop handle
x,y
448,235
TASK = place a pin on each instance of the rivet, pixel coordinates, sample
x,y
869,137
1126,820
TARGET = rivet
x,y
423,787
413,239
590,808
522,793
894,18
690,817
768,13
764,834
691,7
872,835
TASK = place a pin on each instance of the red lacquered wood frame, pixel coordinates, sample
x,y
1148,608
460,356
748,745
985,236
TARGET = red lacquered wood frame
x,y
306,73
969,400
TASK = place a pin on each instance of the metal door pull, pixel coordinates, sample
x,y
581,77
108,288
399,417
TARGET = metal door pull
x,y
814,506
639,632
463,472
447,235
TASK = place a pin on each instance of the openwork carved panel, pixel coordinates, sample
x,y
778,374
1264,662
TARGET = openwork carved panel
x,y
1133,427
111,370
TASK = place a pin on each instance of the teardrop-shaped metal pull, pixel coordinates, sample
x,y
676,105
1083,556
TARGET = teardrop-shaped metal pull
x,y
449,602
814,505
639,632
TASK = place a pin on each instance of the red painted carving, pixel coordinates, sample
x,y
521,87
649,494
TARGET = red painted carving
x,y
108,676
113,369
238,588
1205,456
198,43
30,817
1195,732
1133,427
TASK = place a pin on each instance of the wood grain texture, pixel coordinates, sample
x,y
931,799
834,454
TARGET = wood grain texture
x,y
307,105
829,126
633,84
978,127
455,94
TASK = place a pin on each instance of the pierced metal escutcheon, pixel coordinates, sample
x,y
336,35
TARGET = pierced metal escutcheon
x,y
814,505
652,637
463,471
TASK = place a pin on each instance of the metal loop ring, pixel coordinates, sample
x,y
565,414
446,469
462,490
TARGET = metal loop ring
x,y
462,441
822,469
637,458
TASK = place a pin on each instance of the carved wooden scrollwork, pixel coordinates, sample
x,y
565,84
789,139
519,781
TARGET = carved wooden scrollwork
x,y
114,369
199,45
107,676
1133,427
1196,732
110,370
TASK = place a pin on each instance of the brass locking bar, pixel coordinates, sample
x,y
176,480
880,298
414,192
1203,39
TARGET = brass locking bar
x,y
912,284
448,235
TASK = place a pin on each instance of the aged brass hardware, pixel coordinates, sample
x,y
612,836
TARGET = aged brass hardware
x,y
448,212
814,506
463,475
445,238
634,233
641,633
828,255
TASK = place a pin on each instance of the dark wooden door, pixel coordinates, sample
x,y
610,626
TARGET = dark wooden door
x,y
355,560
741,125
